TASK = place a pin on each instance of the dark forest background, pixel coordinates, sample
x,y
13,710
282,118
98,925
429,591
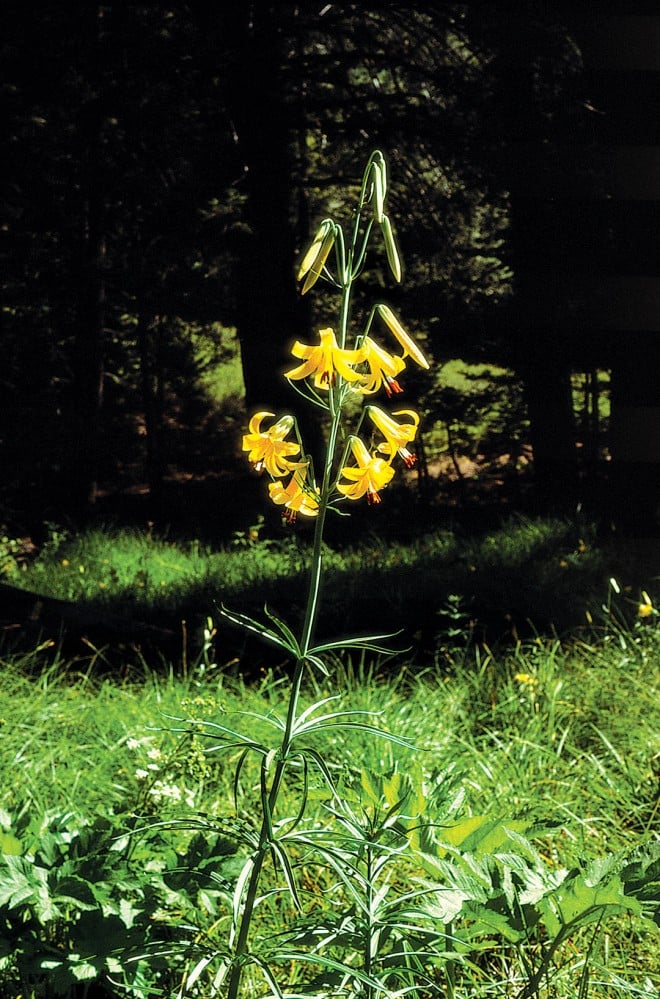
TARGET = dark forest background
x,y
165,165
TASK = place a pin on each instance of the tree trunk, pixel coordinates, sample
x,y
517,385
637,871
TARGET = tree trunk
x,y
270,311
149,332
542,324
585,225
552,429
88,403
90,326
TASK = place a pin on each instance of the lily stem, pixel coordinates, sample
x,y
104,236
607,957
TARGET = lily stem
x,y
311,613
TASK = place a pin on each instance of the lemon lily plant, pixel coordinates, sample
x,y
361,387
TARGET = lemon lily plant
x,y
330,373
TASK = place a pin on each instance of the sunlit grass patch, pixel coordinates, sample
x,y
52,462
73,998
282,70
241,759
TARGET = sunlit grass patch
x,y
547,572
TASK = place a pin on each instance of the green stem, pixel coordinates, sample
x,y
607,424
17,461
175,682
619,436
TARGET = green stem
x,y
240,948
369,929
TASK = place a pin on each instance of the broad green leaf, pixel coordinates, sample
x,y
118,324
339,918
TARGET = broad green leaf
x,y
83,971
76,892
128,912
17,881
576,903
10,845
640,875
479,834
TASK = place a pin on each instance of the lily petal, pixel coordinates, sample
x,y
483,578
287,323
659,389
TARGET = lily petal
x,y
268,448
397,434
298,496
383,369
368,477
325,361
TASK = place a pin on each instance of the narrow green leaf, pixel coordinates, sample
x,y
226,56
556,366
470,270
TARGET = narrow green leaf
x,y
279,851
257,628
323,769
368,642
289,638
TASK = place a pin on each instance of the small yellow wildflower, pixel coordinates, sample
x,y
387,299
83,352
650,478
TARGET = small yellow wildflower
x,y
370,475
383,369
397,434
298,496
326,361
268,448
645,608
526,678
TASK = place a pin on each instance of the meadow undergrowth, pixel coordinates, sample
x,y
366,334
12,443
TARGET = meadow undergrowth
x,y
553,734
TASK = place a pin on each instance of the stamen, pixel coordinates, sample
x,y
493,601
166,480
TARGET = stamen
x,y
391,386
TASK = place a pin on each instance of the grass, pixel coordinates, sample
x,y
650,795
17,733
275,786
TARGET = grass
x,y
558,733
545,734
527,575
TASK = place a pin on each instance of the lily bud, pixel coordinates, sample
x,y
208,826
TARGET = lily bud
x,y
390,248
316,268
379,182
313,251
410,348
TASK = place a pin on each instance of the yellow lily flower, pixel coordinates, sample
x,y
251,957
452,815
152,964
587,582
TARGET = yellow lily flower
x,y
298,496
383,369
410,348
267,448
326,361
367,477
397,435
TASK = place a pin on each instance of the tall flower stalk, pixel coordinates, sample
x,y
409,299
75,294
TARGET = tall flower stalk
x,y
329,373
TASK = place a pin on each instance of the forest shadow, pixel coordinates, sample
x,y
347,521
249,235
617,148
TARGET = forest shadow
x,y
441,576
209,496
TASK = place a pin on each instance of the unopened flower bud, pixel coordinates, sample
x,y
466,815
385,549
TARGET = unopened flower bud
x,y
314,260
379,182
390,248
